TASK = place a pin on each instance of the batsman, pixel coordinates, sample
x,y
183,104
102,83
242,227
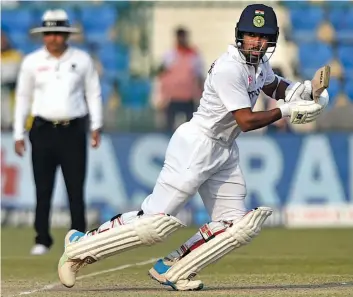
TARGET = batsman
x,y
203,156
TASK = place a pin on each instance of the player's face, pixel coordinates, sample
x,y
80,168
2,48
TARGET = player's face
x,y
254,46
55,41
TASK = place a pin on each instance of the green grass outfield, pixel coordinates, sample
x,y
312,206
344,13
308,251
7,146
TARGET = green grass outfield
x,y
315,262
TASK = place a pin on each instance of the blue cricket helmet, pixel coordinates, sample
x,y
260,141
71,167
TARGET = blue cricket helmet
x,y
258,18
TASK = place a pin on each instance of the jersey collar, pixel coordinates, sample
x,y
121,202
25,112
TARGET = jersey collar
x,y
63,57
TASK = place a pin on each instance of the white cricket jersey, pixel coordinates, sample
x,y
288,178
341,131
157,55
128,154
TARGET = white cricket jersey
x,y
57,88
231,84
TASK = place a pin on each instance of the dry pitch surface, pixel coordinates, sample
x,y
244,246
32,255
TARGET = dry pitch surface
x,y
278,263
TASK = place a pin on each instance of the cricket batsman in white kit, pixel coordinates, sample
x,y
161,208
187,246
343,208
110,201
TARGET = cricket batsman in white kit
x,y
203,156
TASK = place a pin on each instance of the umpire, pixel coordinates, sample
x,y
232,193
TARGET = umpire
x,y
60,86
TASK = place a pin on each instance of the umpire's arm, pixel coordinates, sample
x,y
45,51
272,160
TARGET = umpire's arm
x,y
24,92
94,101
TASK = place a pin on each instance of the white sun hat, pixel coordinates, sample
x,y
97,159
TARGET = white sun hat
x,y
55,21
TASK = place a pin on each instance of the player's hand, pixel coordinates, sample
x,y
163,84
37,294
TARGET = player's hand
x,y
95,138
20,147
299,91
301,112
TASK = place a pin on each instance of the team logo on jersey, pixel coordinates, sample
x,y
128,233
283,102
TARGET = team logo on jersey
x,y
254,94
259,21
250,79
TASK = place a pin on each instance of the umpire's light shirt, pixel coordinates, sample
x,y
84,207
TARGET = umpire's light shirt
x,y
61,88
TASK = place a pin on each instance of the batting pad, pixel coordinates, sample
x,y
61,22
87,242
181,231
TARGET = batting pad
x,y
144,230
239,234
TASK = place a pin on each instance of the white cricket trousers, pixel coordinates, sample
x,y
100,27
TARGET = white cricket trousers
x,y
195,162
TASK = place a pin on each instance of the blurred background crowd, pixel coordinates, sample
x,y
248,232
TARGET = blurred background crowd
x,y
133,43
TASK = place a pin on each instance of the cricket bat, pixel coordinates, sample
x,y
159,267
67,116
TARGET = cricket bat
x,y
320,81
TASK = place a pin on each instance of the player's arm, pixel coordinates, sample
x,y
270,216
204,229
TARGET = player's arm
x,y
231,87
276,90
278,87
299,111
249,120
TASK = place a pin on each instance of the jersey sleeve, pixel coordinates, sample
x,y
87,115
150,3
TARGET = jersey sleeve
x,y
270,75
231,87
93,95
24,92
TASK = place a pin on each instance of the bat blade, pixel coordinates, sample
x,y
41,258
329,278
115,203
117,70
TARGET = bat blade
x,y
320,81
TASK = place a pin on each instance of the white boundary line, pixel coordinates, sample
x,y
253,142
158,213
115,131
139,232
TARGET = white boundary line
x,y
122,267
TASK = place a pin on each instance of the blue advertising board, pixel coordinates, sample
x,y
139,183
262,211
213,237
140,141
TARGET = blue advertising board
x,y
279,170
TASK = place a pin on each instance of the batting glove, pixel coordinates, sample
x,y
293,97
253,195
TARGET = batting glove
x,y
301,112
298,91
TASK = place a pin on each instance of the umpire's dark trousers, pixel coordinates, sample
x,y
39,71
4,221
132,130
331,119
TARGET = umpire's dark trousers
x,y
58,144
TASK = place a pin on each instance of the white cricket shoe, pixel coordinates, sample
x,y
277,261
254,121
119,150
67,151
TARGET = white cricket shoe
x,y
39,249
160,268
68,268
